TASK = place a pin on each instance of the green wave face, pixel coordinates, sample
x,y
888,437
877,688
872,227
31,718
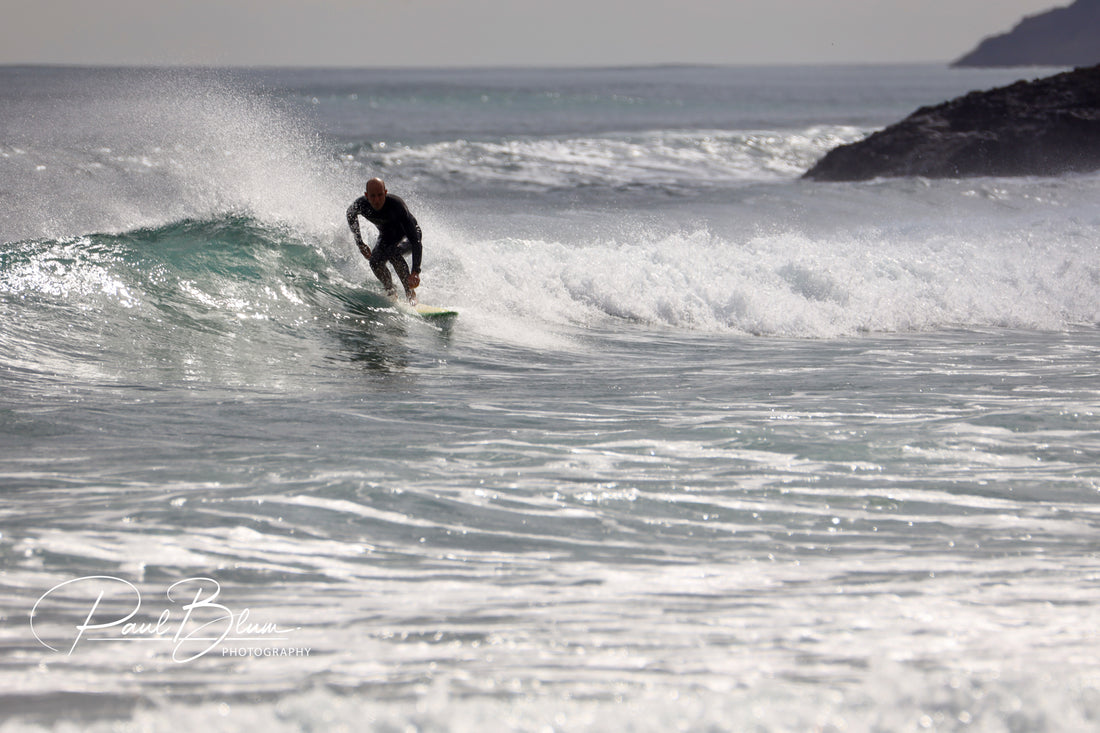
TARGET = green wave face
x,y
224,299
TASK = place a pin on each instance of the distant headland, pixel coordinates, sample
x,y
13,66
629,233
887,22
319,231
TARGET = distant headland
x,y
1066,36
1045,127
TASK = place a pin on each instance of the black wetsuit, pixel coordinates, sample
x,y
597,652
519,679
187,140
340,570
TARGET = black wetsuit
x,y
398,233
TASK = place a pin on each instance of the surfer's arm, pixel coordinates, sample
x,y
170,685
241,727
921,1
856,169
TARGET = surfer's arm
x,y
412,233
416,247
353,224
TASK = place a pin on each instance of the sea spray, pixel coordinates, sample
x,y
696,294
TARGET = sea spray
x,y
165,146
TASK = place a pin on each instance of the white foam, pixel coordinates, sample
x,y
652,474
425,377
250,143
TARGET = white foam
x,y
684,159
784,283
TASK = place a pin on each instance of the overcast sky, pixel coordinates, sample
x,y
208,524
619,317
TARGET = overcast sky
x,y
500,32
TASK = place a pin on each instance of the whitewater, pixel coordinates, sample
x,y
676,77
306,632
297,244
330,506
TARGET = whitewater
x,y
708,447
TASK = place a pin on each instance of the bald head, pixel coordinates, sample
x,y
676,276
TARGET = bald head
x,y
376,193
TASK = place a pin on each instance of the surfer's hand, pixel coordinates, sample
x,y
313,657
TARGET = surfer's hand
x,y
413,280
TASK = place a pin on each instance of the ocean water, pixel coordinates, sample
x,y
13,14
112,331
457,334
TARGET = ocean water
x,y
708,447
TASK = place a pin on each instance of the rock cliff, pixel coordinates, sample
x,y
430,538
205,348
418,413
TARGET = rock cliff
x,y
1045,127
1068,36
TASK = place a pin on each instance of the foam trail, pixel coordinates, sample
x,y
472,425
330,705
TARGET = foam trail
x,y
787,282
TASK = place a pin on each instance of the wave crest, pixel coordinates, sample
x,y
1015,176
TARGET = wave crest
x,y
665,159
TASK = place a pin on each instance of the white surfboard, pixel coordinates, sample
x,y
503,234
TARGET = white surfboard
x,y
425,311
433,311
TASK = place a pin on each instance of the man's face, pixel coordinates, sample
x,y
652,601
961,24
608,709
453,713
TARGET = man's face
x,y
376,196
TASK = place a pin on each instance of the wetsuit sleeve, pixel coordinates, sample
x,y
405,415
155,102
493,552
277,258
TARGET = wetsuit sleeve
x,y
417,248
414,235
353,221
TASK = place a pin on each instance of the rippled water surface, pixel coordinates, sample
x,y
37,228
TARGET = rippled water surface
x,y
706,448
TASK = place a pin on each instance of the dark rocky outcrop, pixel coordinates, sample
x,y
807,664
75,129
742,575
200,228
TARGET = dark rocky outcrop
x,y
1068,36
1045,127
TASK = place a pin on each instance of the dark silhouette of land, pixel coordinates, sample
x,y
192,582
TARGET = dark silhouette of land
x,y
1045,127
1066,36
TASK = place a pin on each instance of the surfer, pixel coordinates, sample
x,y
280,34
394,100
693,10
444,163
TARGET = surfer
x,y
398,234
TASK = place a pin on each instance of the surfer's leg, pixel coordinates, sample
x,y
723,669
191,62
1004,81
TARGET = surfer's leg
x,y
378,259
402,269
